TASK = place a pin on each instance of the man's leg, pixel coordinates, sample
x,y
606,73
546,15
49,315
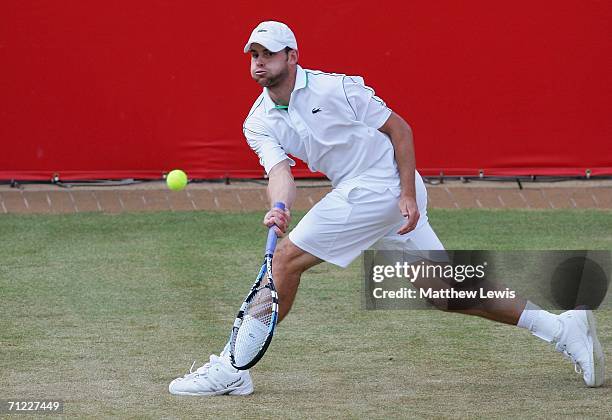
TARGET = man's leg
x,y
573,332
288,265
217,376
507,311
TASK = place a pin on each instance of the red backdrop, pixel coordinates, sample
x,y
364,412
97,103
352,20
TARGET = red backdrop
x,y
122,89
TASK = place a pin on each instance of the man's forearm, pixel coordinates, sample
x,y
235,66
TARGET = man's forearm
x,y
401,137
281,186
404,156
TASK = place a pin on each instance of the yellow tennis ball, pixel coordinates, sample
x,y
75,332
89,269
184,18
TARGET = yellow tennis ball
x,y
176,180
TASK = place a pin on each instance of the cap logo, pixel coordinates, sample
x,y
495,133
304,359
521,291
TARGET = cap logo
x,y
262,30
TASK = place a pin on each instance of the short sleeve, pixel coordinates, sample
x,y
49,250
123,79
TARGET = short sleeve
x,y
267,148
366,106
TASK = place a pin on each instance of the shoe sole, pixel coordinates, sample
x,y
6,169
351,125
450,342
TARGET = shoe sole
x,y
216,393
599,368
240,390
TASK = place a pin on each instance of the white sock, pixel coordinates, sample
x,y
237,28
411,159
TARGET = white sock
x,y
541,323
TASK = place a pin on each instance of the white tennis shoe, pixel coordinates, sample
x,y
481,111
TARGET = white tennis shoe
x,y
217,377
578,342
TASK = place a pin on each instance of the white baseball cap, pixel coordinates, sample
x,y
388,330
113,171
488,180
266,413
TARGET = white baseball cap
x,y
273,35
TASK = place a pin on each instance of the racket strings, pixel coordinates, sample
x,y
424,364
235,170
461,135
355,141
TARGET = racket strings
x,y
255,327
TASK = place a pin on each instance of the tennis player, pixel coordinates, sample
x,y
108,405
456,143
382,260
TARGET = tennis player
x,y
338,126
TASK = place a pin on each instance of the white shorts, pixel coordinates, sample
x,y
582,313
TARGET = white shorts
x,y
348,221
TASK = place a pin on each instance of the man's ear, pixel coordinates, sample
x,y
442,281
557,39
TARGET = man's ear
x,y
292,57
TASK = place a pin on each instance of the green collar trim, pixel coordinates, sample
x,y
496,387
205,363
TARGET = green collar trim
x,y
301,78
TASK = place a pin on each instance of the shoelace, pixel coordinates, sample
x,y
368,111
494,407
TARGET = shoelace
x,y
202,370
570,357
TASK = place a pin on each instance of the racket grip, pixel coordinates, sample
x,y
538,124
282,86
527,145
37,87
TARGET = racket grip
x,y
271,243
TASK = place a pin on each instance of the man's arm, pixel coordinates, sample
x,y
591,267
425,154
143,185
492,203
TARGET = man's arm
x,y
281,187
401,137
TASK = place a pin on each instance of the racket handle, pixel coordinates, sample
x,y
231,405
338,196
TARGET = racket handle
x,y
271,243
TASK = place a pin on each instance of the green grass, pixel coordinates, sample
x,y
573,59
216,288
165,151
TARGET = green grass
x,y
104,310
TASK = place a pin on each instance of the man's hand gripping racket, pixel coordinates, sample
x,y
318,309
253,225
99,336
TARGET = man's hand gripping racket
x,y
258,315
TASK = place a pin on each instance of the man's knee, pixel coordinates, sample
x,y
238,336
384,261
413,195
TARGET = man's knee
x,y
291,260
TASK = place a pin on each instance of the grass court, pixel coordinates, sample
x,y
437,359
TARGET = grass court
x,y
103,311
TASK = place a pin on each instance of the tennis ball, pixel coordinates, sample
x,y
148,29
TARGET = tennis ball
x,y
176,180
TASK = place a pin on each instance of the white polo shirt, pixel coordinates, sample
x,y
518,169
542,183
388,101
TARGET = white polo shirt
x,y
331,124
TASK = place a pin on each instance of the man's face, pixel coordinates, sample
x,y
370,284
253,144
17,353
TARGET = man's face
x,y
268,68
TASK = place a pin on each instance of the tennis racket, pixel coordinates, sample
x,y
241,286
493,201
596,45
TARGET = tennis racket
x,y
258,315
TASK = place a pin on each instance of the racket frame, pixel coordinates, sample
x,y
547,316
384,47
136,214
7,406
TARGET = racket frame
x,y
266,268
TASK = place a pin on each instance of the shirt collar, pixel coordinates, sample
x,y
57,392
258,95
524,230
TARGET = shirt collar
x,y
301,81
